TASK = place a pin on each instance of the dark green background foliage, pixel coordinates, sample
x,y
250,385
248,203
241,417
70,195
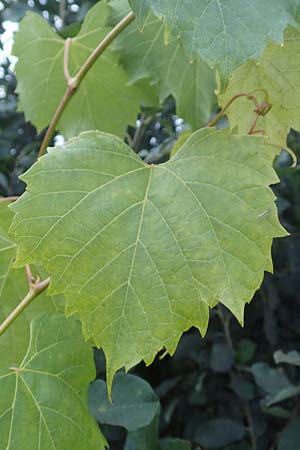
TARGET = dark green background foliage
x,y
225,391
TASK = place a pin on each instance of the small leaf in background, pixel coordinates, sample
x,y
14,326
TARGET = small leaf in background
x,y
245,351
221,357
168,265
274,383
242,387
133,404
292,357
290,437
284,394
217,433
269,379
275,411
43,402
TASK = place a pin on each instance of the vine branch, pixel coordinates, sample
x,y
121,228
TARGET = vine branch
x,y
36,287
253,126
73,83
66,61
61,107
9,199
221,113
260,109
109,38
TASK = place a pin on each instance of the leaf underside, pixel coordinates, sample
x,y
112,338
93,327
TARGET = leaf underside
x,y
277,75
106,101
225,33
92,215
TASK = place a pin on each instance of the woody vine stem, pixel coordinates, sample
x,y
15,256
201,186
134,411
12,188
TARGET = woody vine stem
x,y
35,286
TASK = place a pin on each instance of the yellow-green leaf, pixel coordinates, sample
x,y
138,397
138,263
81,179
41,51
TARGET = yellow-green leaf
x,y
275,78
138,268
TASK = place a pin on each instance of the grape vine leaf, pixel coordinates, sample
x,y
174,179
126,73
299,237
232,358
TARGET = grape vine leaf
x,y
192,83
13,288
225,33
275,78
46,392
7,247
105,100
137,267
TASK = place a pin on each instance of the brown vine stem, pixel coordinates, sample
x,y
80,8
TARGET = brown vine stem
x,y
73,83
47,138
62,10
35,289
220,114
252,129
9,199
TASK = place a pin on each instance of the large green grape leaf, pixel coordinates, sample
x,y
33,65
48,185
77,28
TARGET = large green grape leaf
x,y
104,102
13,288
43,402
141,252
225,33
277,75
192,83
